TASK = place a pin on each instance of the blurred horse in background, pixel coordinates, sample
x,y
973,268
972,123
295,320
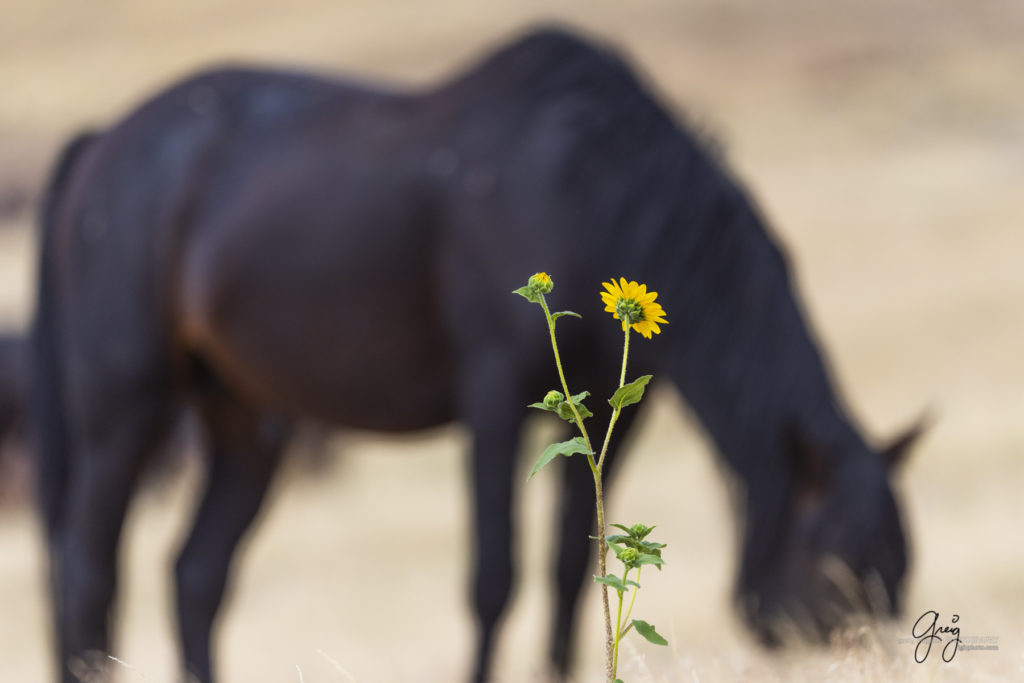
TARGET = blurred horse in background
x,y
266,246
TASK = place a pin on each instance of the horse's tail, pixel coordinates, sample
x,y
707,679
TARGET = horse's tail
x,y
49,430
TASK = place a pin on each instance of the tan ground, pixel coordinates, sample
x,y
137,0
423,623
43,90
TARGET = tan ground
x,y
886,143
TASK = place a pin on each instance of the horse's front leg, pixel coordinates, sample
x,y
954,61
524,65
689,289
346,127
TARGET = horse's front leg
x,y
491,404
574,544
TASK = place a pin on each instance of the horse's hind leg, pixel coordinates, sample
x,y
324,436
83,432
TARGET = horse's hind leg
x,y
244,449
113,438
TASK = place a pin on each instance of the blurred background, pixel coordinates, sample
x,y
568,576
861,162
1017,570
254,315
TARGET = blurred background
x,y
883,139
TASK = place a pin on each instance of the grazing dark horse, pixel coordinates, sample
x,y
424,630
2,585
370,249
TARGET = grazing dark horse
x,y
267,246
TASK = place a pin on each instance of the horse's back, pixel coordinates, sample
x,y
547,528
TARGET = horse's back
x,y
303,236
136,207
307,265
357,225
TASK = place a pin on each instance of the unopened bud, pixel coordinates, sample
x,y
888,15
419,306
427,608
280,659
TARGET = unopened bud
x,y
541,283
553,398
639,530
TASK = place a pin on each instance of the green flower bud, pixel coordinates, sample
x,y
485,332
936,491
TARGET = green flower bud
x,y
629,556
639,530
540,283
553,398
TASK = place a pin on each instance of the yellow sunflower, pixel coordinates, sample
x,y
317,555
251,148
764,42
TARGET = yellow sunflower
x,y
633,304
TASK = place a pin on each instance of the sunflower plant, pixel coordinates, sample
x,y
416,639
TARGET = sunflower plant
x,y
637,310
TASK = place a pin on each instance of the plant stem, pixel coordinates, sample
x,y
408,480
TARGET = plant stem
x,y
611,648
632,600
611,645
602,565
625,357
595,468
618,630
615,413
565,385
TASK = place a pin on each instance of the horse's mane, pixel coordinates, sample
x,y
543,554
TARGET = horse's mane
x,y
548,59
613,128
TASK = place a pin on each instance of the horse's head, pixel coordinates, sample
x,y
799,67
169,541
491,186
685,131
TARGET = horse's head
x,y
839,547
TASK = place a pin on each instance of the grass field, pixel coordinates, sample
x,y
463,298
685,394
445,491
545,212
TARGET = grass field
x,y
885,141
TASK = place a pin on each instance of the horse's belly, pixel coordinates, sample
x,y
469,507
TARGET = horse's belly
x,y
367,384
401,397
351,345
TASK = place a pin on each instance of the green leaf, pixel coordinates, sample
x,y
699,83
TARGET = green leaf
x,y
565,412
584,413
570,447
528,293
541,406
636,534
616,583
650,546
648,632
556,316
623,527
649,558
630,393
577,400
640,531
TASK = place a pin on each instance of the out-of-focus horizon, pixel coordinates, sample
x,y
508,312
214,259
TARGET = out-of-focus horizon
x,y
885,143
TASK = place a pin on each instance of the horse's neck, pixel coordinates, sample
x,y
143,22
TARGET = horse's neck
x,y
745,359
741,352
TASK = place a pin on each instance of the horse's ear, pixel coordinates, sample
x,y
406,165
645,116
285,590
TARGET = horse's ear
x,y
896,452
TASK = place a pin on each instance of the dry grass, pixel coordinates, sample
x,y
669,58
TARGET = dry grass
x,y
884,140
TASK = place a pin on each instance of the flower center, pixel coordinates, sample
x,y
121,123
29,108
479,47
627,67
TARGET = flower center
x,y
629,311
